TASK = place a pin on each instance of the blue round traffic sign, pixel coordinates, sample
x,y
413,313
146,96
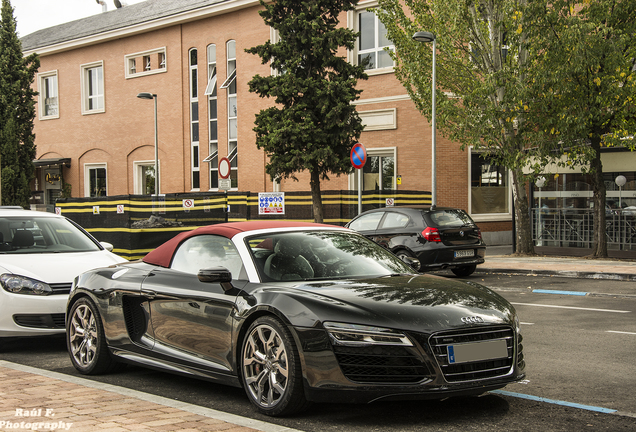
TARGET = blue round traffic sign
x,y
358,155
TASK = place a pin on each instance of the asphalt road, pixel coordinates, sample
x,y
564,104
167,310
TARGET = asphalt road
x,y
579,350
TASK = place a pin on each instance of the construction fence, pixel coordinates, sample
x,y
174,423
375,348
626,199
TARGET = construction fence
x,y
120,220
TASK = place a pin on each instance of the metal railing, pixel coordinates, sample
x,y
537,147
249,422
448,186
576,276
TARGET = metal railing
x,y
571,227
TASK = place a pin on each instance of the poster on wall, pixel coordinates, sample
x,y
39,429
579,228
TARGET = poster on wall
x,y
271,203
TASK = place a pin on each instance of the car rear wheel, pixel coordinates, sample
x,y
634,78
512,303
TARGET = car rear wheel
x,y
86,341
271,370
464,271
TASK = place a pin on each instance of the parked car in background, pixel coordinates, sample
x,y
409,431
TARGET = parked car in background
x,y
294,313
440,238
40,255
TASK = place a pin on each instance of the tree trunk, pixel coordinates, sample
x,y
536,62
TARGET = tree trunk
x,y
599,245
525,244
316,198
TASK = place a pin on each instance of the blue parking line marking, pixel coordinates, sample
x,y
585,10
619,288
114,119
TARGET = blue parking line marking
x,y
575,293
553,401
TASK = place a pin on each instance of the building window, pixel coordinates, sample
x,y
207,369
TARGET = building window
x,y
379,171
232,112
145,63
92,88
48,99
95,180
489,186
372,42
194,119
144,182
210,91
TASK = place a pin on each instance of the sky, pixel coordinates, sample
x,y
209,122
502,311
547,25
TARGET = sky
x,y
34,15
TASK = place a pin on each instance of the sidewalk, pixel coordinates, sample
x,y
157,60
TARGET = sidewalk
x,y
39,400
499,260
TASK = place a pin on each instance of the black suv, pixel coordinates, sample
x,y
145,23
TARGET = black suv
x,y
439,237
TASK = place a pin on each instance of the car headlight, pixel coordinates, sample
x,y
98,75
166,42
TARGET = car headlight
x,y
23,285
356,335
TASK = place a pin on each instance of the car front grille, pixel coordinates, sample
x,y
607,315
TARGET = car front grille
x,y
43,321
471,371
61,288
381,364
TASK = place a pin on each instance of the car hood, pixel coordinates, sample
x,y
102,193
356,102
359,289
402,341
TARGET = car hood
x,y
56,267
420,303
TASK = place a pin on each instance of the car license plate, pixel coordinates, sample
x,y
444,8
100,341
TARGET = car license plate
x,y
478,351
464,253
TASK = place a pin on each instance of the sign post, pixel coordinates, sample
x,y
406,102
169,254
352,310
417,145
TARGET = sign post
x,y
358,159
225,183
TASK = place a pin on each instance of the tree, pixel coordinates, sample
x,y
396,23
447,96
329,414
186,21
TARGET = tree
x,y
585,81
481,64
313,125
17,111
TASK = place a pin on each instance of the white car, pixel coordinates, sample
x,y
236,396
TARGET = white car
x,y
40,255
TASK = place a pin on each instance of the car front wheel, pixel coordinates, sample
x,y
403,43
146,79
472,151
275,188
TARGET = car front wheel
x,y
271,369
86,341
464,271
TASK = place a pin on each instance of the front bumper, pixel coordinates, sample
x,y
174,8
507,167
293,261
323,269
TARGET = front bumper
x,y
30,315
416,375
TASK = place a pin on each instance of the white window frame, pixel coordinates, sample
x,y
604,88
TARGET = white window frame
x,y
138,180
381,152
142,70
195,165
87,180
42,77
232,151
487,217
213,154
352,23
84,70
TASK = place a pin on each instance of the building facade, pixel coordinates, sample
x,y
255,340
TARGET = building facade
x,y
96,138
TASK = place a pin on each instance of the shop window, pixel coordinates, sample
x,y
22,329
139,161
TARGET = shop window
x,y
489,186
95,180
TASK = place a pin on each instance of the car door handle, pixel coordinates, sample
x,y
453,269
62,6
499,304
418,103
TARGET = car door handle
x,y
149,294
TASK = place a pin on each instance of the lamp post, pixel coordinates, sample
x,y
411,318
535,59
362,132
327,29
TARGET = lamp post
x,y
426,37
620,182
154,96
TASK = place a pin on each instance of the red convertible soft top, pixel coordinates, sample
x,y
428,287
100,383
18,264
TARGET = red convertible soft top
x,y
162,256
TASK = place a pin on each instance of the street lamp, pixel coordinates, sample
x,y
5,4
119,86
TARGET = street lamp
x,y
154,96
426,37
620,182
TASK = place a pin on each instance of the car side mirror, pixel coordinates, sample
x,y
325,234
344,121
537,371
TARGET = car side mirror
x,y
107,246
215,275
413,262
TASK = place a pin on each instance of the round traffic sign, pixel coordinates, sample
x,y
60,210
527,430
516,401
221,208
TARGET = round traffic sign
x,y
358,155
224,168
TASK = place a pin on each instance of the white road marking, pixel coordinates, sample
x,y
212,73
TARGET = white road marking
x,y
620,332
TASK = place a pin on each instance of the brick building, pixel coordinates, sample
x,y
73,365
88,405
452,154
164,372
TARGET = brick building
x,y
94,134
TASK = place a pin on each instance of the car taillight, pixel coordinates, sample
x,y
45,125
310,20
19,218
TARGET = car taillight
x,y
431,234
479,233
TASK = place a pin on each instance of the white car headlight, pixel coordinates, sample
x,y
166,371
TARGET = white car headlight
x,y
354,334
23,285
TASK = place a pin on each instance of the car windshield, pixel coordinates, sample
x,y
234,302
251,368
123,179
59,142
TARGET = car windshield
x,y
450,218
28,235
315,255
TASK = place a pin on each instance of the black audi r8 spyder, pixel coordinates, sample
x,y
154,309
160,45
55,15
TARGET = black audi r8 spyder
x,y
294,313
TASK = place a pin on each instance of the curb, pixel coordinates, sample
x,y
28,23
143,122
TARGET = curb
x,y
561,273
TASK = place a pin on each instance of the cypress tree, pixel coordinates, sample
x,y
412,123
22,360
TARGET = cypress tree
x,y
17,111
313,125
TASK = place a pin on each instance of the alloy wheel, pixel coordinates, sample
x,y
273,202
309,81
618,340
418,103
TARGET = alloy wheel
x,y
265,365
83,336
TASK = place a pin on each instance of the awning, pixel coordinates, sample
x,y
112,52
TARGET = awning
x,y
52,161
